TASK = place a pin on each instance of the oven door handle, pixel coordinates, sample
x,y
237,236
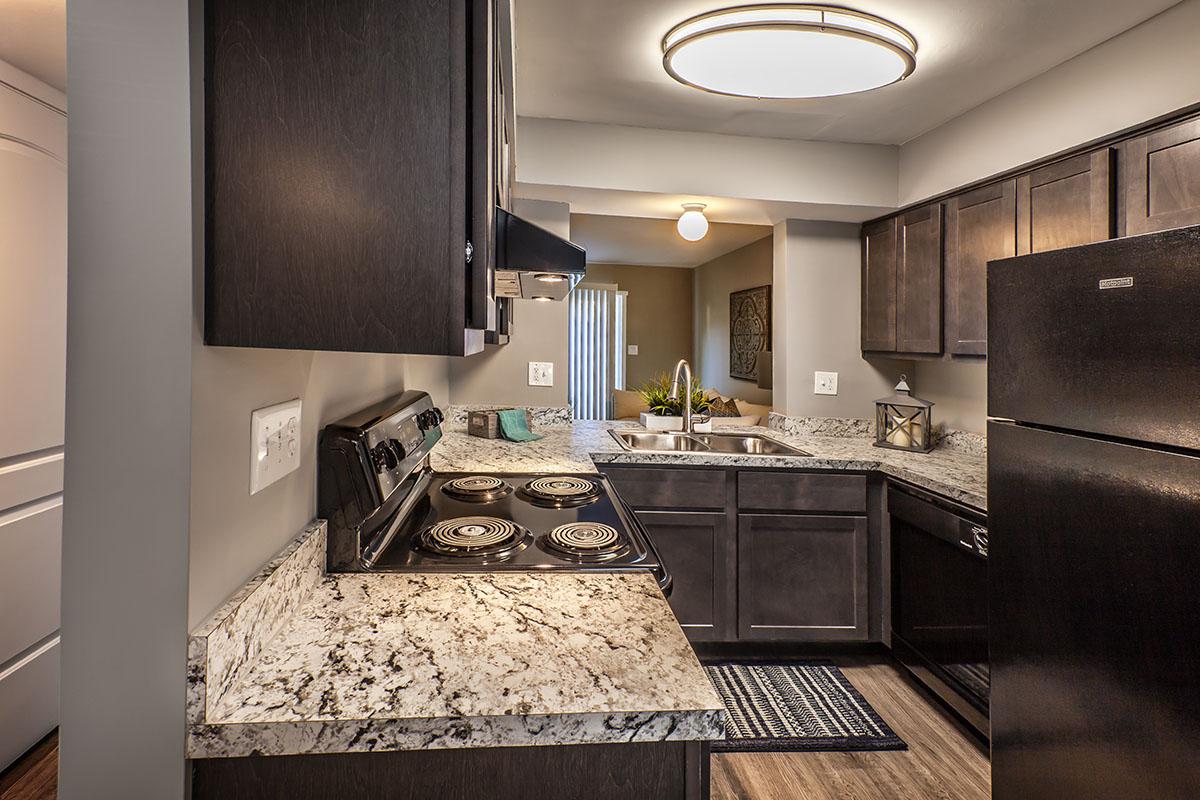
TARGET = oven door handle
x,y
373,550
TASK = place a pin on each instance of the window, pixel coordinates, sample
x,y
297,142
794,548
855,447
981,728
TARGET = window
x,y
595,349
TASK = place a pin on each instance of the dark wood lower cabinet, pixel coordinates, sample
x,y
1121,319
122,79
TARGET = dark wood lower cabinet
x,y
759,554
657,770
802,578
696,547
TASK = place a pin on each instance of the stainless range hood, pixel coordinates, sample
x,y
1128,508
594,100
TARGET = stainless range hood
x,y
532,262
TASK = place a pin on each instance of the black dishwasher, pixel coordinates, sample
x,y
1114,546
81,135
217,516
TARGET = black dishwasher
x,y
939,599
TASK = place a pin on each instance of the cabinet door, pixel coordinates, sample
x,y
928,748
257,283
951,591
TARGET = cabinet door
x,y
339,186
802,578
919,281
1065,204
1162,179
693,547
879,286
980,226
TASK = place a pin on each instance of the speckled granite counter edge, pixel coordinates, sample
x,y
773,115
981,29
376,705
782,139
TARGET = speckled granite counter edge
x,y
236,632
357,736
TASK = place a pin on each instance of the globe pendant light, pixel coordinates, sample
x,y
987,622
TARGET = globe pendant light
x,y
785,51
692,225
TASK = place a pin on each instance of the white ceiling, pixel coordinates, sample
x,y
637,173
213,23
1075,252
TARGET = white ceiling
x,y
601,61
655,242
33,38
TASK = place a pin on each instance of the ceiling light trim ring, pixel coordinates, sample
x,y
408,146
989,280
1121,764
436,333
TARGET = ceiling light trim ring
x,y
908,56
817,7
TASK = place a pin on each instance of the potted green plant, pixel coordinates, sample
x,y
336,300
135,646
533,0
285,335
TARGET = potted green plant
x,y
666,414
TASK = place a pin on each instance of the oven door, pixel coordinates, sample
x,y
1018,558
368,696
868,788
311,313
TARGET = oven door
x,y
939,600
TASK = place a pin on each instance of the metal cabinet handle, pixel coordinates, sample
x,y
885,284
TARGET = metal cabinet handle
x,y
980,535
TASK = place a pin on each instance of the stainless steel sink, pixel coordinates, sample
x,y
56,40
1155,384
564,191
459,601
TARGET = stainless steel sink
x,y
671,442
750,443
742,443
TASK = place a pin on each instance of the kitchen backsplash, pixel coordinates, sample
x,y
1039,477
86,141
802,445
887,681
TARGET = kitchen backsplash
x,y
542,415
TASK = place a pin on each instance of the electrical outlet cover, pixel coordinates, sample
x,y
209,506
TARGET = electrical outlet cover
x,y
541,373
825,382
274,443
631,350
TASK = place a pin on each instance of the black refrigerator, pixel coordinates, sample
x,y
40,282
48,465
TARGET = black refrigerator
x,y
1094,518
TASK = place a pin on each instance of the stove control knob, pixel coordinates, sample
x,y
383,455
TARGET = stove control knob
x,y
430,419
398,449
384,457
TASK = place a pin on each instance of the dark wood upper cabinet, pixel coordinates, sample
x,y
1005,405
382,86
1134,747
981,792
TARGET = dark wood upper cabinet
x,y
1066,204
919,281
879,286
981,226
350,157
902,283
802,578
1162,179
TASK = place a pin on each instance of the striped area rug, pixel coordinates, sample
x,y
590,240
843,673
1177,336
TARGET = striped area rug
x,y
796,706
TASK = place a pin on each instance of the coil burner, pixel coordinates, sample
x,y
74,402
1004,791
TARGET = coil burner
x,y
560,491
484,539
477,488
586,541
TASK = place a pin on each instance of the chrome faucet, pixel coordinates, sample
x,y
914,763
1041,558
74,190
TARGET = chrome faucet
x,y
686,368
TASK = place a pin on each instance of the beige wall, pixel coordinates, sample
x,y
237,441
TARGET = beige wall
x,y
232,532
744,268
957,388
500,374
658,316
1145,72
817,279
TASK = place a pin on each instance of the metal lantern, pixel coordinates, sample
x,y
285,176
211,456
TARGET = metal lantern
x,y
902,422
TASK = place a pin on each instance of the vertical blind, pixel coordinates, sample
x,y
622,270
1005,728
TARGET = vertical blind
x,y
591,372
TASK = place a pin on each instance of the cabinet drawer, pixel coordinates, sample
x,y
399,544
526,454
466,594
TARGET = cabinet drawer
x,y
30,575
669,488
28,702
789,491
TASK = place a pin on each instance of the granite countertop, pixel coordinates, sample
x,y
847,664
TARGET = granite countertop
x,y
304,662
957,472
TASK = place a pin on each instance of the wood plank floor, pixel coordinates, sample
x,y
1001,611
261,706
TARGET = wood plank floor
x,y
942,761
34,776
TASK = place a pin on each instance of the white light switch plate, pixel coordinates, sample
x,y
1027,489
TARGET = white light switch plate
x,y
631,350
274,443
825,383
541,373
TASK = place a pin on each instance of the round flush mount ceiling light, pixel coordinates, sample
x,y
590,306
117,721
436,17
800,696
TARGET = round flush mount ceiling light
x,y
788,51
692,225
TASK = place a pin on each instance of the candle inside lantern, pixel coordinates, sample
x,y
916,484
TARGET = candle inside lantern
x,y
902,421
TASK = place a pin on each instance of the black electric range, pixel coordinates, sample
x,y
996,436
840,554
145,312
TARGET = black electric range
x,y
389,512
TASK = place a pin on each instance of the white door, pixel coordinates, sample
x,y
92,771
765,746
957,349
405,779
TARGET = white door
x,y
33,311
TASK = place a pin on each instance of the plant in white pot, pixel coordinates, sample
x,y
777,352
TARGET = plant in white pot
x,y
666,414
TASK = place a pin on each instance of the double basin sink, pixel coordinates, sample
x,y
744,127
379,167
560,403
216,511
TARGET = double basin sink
x,y
742,443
